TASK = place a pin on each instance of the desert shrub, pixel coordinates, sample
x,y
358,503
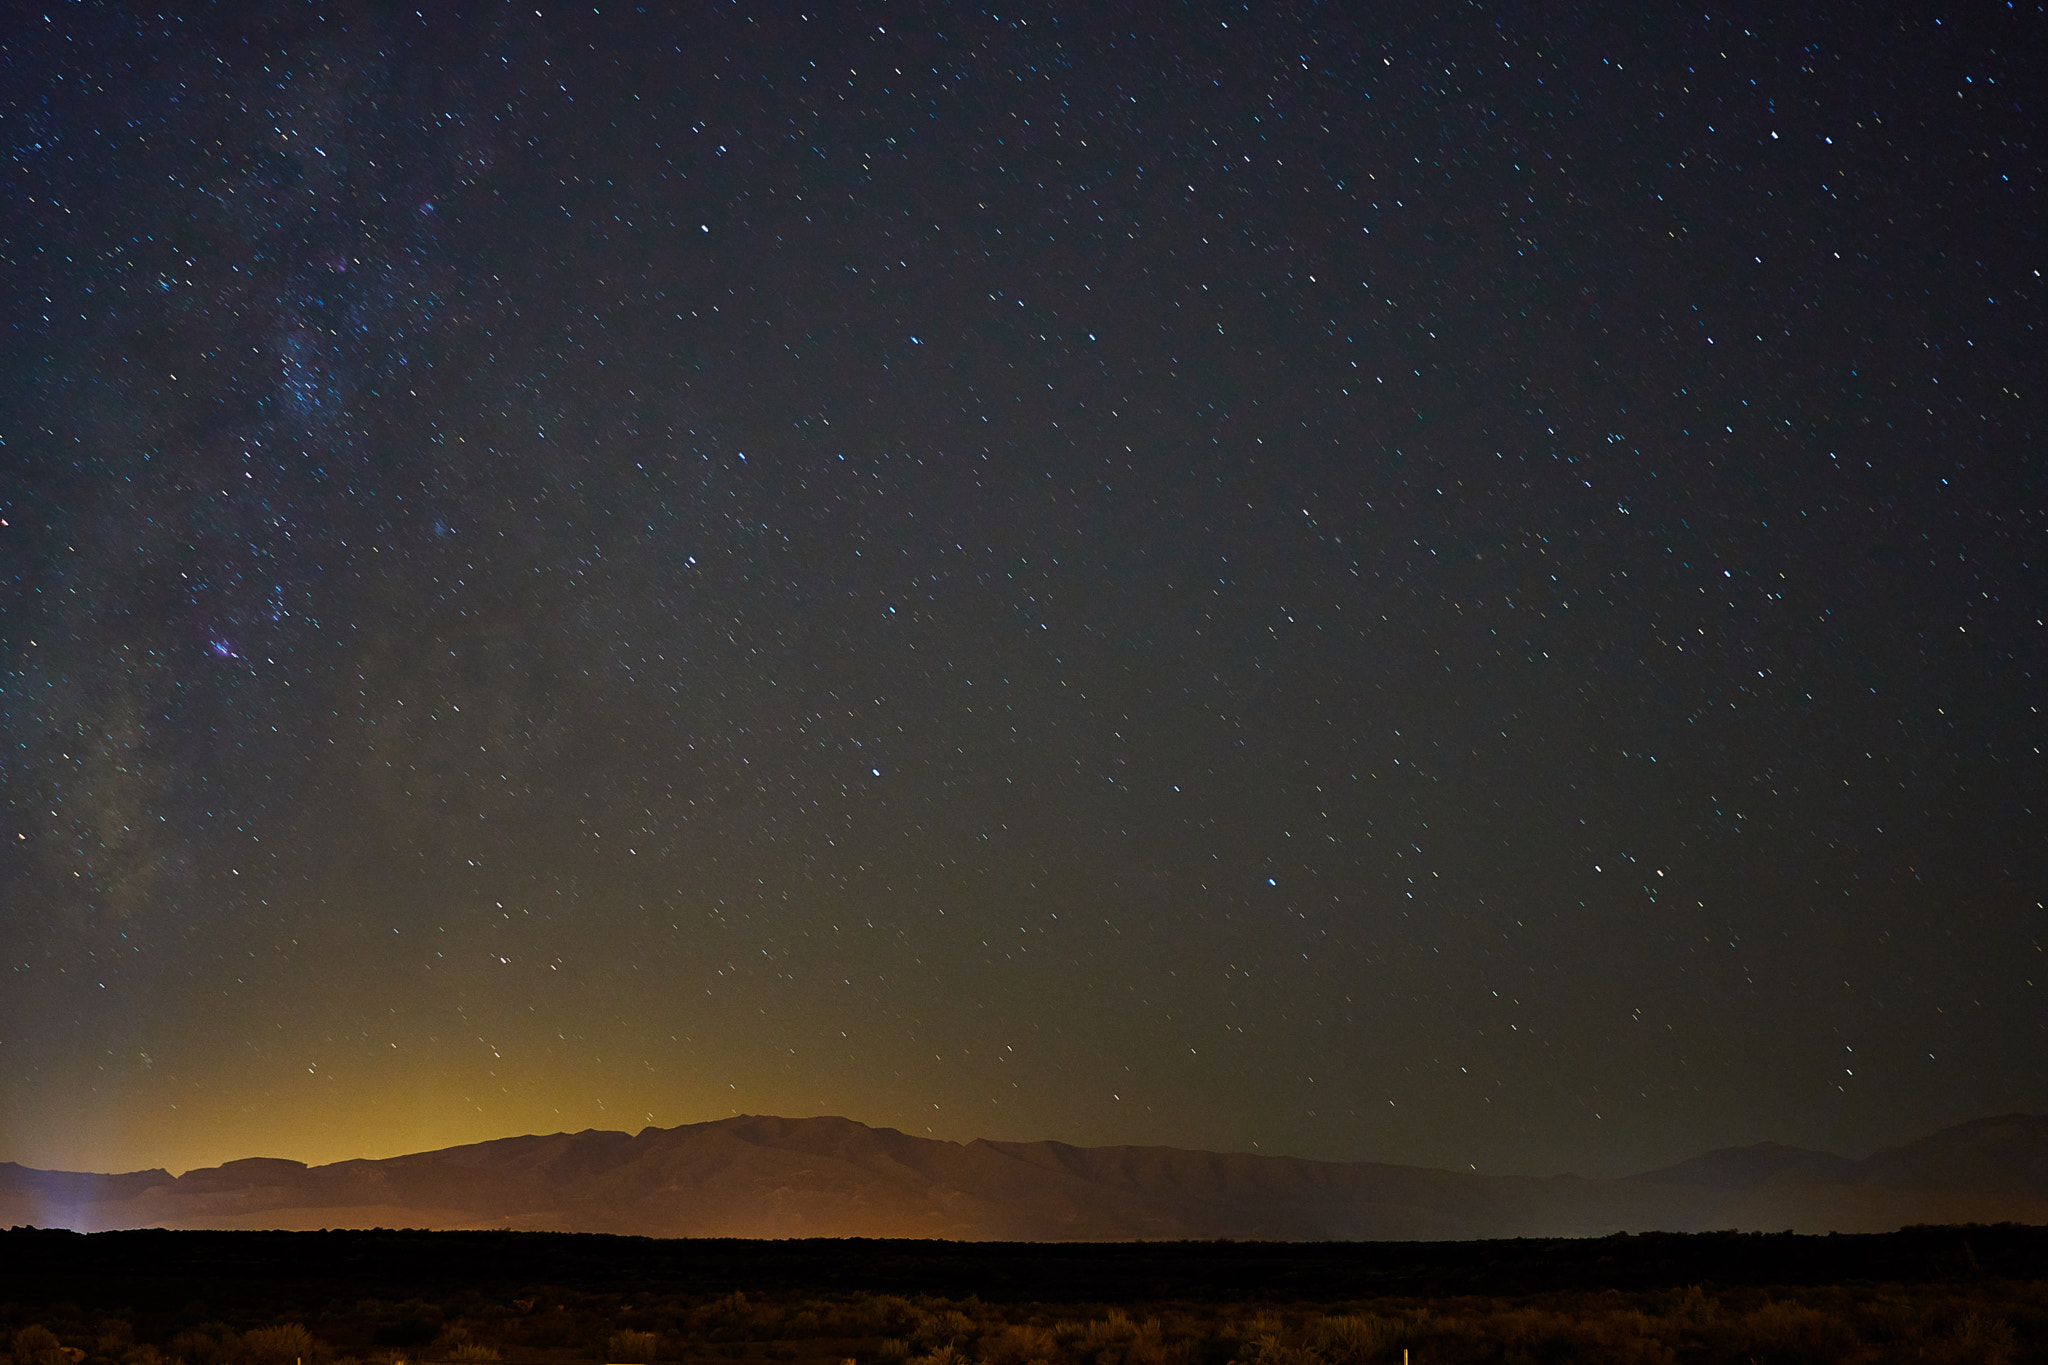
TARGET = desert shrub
x,y
1019,1346
280,1345
1240,1337
197,1348
1783,1333
38,1345
1354,1338
551,1327
449,1341
1627,1337
456,1342
1142,1343
949,1327
408,1331
115,1338
635,1347
1618,1336
1692,1304
1092,1334
1272,1348
1435,1335
1889,1320
873,1315
1976,1339
1976,1323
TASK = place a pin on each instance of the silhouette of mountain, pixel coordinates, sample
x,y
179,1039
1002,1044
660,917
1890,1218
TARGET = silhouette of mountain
x,y
1748,1168
2003,1155
831,1177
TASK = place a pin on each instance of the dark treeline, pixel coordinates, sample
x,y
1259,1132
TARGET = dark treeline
x,y
1975,1294
280,1271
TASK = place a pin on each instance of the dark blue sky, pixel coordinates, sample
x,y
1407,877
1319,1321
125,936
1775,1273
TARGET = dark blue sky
x,y
1423,583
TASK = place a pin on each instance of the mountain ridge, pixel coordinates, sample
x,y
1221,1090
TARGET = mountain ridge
x,y
766,1176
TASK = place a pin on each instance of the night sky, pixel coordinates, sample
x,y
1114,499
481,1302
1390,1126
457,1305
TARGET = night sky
x,y
1439,583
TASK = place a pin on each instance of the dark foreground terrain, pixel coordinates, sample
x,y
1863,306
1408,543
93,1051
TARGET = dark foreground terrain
x,y
1951,1294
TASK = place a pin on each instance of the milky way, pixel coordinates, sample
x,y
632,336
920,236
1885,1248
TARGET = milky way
x,y
1432,585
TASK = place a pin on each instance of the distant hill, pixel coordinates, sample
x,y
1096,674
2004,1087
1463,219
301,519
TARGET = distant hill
x,y
832,1177
2003,1155
1749,1168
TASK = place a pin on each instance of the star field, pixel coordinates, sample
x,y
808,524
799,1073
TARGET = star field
x,y
1423,584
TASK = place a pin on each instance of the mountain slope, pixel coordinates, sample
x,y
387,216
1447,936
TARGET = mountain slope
x,y
1750,1168
831,1177
2003,1155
